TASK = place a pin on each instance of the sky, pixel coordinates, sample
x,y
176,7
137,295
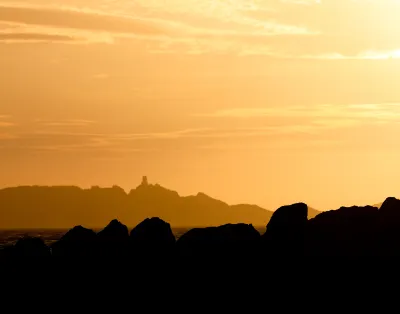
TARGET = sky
x,y
267,102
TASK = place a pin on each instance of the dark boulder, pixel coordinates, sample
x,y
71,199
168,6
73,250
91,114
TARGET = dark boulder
x,y
113,240
231,240
285,234
345,232
114,229
77,242
152,236
389,227
31,247
389,212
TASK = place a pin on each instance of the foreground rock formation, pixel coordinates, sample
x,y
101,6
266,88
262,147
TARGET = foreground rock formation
x,y
346,232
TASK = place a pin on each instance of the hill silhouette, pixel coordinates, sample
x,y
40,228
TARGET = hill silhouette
x,y
345,232
66,206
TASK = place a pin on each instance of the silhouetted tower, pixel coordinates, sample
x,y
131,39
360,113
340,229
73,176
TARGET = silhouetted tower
x,y
144,181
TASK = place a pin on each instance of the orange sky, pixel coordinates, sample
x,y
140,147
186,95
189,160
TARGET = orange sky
x,y
268,102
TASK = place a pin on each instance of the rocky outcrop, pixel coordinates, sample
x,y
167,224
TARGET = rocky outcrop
x,y
77,242
152,236
347,231
390,210
285,234
26,248
31,247
113,240
389,227
228,240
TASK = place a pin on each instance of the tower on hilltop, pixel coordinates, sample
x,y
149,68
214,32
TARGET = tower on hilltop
x,y
145,182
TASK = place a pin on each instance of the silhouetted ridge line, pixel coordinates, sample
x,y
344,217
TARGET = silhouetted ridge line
x,y
64,206
347,232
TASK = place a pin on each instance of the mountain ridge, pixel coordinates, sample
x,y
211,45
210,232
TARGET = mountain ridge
x,y
64,206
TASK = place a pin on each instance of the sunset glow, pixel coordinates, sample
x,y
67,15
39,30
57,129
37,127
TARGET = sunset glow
x,y
266,102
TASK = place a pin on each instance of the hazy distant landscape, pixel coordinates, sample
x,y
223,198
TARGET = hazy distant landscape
x,y
67,206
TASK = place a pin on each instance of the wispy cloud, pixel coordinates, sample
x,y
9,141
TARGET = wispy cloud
x,y
305,122
330,29
35,37
106,138
67,141
272,122
5,124
6,128
278,127
5,121
192,26
76,19
362,55
312,119
268,145
339,29
137,143
66,123
59,24
386,111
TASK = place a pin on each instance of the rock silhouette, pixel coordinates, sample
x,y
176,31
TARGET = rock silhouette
x,y
227,240
389,227
152,236
78,242
285,234
113,240
347,232
31,247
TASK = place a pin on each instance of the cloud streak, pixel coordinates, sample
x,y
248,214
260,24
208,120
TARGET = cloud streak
x,y
298,124
192,26
5,121
67,123
76,20
35,37
309,119
273,123
4,124
387,112
304,29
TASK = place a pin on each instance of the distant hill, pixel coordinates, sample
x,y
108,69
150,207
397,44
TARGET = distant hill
x,y
313,212
67,206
